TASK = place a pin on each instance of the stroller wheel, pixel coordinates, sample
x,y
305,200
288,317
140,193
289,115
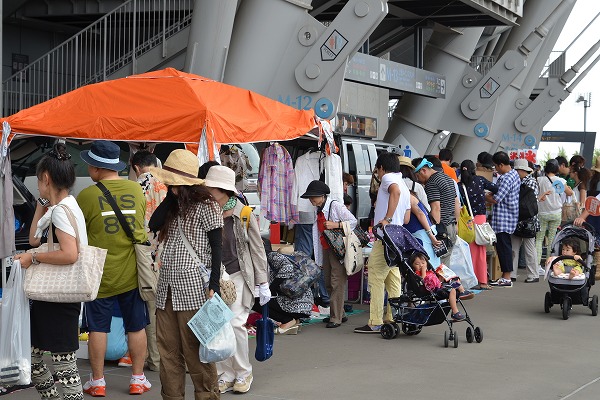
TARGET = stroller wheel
x,y
594,305
547,302
396,329
455,340
388,331
445,338
478,334
469,335
566,308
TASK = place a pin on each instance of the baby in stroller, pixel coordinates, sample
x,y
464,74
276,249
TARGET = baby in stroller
x,y
570,247
418,263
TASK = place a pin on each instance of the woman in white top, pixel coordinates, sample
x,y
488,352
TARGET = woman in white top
x,y
549,205
55,326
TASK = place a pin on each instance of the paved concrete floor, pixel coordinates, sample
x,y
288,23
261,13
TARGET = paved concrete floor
x,y
525,354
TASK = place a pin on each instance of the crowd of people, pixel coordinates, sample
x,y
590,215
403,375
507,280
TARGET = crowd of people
x,y
193,218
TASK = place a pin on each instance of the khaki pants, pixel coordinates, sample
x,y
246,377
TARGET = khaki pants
x,y
153,359
335,281
381,278
178,347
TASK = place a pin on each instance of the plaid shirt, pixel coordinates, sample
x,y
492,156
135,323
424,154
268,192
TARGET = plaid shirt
x,y
506,211
178,271
275,181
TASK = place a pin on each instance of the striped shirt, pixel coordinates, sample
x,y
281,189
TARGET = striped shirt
x,y
506,210
440,187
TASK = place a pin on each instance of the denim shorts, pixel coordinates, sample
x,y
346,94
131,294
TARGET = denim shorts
x,y
98,314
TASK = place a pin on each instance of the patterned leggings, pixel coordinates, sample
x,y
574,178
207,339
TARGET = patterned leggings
x,y
65,368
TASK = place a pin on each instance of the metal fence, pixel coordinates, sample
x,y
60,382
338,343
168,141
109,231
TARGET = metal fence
x,y
96,52
482,64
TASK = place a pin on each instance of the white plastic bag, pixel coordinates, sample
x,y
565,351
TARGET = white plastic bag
x,y
462,263
15,336
221,347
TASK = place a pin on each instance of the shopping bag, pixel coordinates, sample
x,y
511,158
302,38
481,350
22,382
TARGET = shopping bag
x,y
15,337
265,336
221,347
466,229
462,264
353,259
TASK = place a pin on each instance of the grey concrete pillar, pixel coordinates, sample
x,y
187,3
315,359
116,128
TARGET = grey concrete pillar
x,y
210,36
417,119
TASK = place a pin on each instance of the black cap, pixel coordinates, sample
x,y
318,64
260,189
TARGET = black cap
x,y
315,189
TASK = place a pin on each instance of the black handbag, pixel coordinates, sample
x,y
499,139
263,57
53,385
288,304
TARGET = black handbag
x,y
526,228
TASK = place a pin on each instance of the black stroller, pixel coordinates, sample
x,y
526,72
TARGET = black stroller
x,y
567,292
417,307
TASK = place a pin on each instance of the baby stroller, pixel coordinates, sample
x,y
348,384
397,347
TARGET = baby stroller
x,y
567,292
417,307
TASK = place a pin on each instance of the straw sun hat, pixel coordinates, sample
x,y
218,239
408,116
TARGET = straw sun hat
x,y
405,161
180,169
597,166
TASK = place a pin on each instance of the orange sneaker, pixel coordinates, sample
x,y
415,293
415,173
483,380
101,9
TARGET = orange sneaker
x,y
139,386
124,361
95,390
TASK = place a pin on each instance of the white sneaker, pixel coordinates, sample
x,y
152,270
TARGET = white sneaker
x,y
242,385
225,386
139,386
324,310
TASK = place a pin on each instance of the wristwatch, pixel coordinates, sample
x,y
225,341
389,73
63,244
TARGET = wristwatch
x,y
34,259
389,219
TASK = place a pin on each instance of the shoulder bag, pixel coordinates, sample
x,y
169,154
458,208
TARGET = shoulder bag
x,y
227,287
484,234
146,271
353,259
71,283
466,231
570,209
335,239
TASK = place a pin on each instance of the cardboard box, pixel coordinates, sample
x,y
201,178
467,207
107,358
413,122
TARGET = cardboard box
x,y
283,248
493,264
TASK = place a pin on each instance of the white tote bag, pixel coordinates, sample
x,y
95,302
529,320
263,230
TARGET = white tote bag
x,y
353,260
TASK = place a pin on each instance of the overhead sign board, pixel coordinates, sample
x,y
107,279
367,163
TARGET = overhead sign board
x,y
376,71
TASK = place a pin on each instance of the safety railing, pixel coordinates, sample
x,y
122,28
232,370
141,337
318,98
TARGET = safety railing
x,y
109,44
482,64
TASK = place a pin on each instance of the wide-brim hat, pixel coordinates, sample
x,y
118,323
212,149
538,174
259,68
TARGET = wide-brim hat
x,y
597,166
405,161
221,177
180,169
316,189
104,154
522,165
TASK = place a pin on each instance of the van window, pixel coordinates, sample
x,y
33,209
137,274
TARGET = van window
x,y
351,159
361,153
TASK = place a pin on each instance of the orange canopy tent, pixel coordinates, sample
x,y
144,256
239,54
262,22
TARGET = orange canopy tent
x,y
163,106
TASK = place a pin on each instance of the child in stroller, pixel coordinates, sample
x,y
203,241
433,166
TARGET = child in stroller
x,y
570,247
419,264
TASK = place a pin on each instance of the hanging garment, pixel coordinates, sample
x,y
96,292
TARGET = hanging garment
x,y
238,161
333,177
276,180
307,170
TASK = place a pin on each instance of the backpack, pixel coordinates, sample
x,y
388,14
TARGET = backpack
x,y
245,215
528,205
